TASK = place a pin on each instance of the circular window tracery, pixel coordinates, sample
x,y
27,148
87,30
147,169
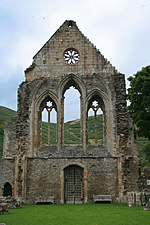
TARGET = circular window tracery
x,y
71,56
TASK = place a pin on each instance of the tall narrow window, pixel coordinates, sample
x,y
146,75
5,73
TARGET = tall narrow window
x,y
49,125
72,122
95,123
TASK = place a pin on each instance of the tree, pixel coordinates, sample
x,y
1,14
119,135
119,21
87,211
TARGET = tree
x,y
146,151
139,96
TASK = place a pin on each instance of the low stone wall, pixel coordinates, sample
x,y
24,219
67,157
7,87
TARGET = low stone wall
x,y
138,198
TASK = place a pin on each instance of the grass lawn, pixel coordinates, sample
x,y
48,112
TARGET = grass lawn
x,y
90,214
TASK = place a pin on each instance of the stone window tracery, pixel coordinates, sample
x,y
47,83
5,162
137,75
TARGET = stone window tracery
x,y
71,56
48,122
95,122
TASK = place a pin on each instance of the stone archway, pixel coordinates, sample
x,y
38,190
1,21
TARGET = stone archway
x,y
73,184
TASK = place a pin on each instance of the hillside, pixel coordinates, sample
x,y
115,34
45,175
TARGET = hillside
x,y
71,129
71,132
5,115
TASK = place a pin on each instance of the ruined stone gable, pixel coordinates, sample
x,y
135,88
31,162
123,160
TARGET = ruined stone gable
x,y
105,167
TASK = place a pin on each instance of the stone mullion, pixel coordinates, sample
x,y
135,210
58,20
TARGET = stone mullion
x,y
84,128
62,120
95,126
48,126
81,120
57,126
35,135
37,130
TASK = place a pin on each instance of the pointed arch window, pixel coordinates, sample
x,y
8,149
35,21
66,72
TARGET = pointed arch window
x,y
95,121
72,114
48,122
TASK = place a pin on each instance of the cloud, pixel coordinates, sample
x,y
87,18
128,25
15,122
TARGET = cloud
x,y
119,29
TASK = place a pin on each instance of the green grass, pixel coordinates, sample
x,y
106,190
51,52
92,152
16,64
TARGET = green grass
x,y
90,214
5,114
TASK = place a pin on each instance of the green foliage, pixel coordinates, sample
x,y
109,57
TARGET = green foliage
x,y
139,96
86,214
146,149
146,152
142,144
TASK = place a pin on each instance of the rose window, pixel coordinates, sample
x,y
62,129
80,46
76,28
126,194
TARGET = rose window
x,y
71,56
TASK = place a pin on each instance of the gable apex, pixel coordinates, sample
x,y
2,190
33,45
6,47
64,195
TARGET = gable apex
x,y
70,51
66,26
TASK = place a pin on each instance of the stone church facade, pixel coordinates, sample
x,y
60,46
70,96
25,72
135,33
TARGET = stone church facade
x,y
72,173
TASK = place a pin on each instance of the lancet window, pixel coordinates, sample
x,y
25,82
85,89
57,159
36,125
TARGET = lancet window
x,y
49,122
72,114
95,122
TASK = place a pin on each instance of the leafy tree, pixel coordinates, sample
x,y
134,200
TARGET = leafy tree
x,y
139,96
146,150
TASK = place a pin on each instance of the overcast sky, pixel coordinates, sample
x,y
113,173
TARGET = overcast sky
x,y
120,29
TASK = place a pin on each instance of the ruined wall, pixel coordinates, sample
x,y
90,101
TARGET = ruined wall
x,y
43,87
111,168
7,173
50,56
10,142
44,176
144,180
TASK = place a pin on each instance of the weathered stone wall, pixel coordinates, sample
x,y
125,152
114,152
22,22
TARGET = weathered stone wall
x,y
10,142
7,173
23,123
51,57
54,88
44,176
144,180
111,168
93,73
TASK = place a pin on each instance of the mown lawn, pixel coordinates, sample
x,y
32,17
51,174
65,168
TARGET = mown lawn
x,y
90,214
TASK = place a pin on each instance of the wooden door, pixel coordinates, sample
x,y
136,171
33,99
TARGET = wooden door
x,y
74,185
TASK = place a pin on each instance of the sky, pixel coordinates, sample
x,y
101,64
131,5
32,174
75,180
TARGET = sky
x,y
120,29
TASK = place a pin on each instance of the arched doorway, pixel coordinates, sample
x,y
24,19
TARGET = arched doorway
x,y
73,184
7,189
